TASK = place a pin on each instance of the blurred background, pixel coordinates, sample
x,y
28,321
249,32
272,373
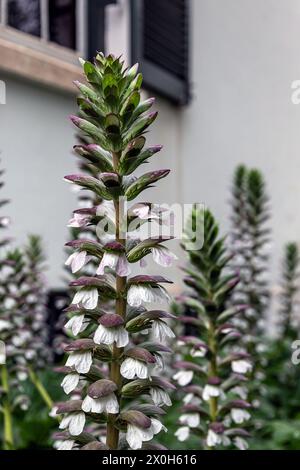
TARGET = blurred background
x,y
222,75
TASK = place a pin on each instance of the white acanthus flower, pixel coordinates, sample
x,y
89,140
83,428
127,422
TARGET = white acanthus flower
x,y
77,260
4,325
192,420
163,256
135,436
107,404
80,360
182,433
210,391
116,334
198,352
138,294
213,439
79,220
191,398
74,422
131,367
239,416
87,297
70,382
241,366
183,377
161,330
67,444
76,324
115,261
240,443
160,397
242,392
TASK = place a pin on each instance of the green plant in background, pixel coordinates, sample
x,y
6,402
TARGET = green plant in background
x,y
5,406
213,369
23,329
115,119
280,407
38,354
289,297
250,240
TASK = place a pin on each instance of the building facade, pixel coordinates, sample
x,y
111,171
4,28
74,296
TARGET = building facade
x,y
221,71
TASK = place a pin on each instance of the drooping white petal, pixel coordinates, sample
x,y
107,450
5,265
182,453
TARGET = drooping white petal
x,y
123,268
161,330
109,260
239,416
77,423
70,382
79,220
210,391
182,433
138,294
213,439
241,366
108,404
134,437
64,445
81,360
240,443
4,325
108,336
183,377
132,367
87,297
163,256
77,260
190,419
160,397
75,324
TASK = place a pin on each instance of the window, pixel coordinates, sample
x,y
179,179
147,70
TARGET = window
x,y
77,25
61,22
160,43
42,39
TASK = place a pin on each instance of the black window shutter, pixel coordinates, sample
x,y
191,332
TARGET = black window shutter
x,y
96,26
160,43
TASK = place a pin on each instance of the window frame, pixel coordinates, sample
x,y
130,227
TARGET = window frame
x,y
43,43
44,61
156,78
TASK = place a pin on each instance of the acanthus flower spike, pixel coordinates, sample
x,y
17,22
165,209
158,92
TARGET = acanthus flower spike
x,y
106,310
215,363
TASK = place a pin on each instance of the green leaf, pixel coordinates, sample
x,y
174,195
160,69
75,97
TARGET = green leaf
x,y
143,182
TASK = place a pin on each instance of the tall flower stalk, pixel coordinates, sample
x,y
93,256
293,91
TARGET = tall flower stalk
x,y
5,386
108,307
289,301
250,240
214,366
35,314
282,381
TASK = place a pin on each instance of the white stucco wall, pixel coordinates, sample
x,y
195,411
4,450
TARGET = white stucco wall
x,y
35,143
245,55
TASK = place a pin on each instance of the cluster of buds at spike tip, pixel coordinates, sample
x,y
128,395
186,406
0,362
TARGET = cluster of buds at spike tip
x,y
213,370
250,246
108,371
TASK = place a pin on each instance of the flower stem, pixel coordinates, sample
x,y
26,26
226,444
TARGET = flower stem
x,y
115,374
8,430
40,388
213,401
